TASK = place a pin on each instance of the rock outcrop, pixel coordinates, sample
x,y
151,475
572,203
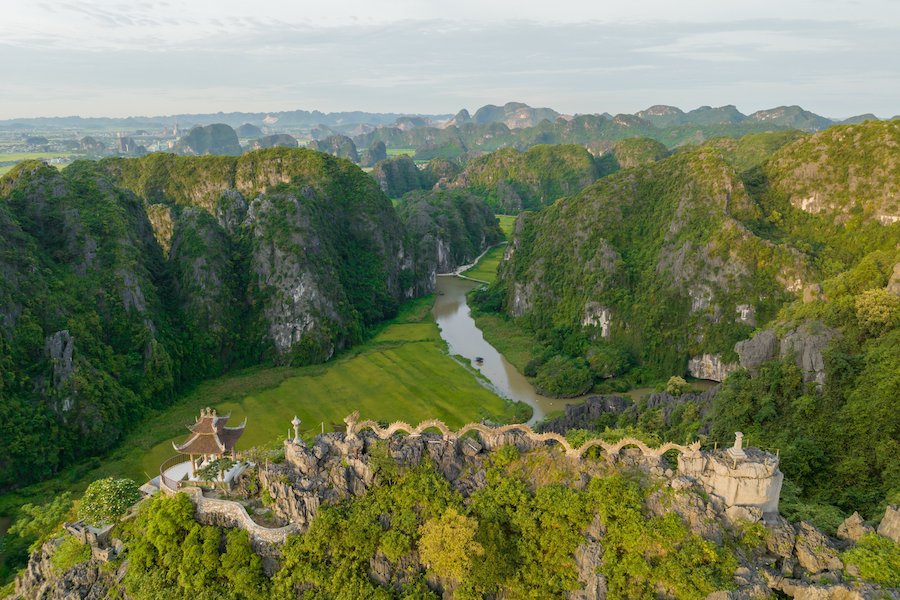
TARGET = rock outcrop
x,y
814,550
806,343
890,523
759,349
711,367
853,528
88,580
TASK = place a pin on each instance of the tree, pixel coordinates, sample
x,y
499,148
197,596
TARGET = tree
x,y
39,522
676,385
107,499
877,311
447,545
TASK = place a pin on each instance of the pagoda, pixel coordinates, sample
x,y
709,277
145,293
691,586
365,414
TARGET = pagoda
x,y
210,439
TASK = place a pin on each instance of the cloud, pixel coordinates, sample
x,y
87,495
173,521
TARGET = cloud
x,y
116,58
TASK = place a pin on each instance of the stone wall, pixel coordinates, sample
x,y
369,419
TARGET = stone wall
x,y
494,437
227,513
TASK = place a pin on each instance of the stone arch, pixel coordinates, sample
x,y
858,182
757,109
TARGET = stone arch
x,y
492,434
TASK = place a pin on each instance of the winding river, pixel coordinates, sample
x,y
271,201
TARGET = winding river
x,y
451,311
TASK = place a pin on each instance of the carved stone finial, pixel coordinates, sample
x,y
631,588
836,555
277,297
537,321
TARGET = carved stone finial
x,y
737,451
296,423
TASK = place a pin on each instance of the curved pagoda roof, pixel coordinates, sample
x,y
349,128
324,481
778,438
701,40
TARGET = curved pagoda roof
x,y
209,435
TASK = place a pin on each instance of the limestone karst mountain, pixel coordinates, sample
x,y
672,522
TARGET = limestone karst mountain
x,y
217,138
126,279
690,265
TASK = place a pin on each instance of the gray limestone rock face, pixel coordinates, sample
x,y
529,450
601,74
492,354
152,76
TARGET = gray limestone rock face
x,y
853,528
588,558
757,350
737,514
805,590
807,344
710,366
890,524
59,348
814,550
812,292
781,536
893,285
40,579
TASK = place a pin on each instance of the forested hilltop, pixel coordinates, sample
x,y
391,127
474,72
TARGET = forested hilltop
x,y
772,257
500,515
125,280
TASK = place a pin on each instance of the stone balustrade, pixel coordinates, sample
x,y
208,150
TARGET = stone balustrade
x,y
495,436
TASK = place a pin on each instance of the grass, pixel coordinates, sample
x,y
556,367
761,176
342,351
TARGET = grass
x,y
392,152
507,223
403,373
486,268
510,339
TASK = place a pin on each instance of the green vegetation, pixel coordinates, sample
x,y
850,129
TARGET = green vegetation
x,y
667,253
37,524
457,141
486,268
445,229
511,181
172,556
68,553
614,246
838,445
130,327
563,377
447,545
876,558
393,152
106,500
403,373
413,523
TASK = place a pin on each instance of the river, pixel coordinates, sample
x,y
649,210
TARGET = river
x,y
451,311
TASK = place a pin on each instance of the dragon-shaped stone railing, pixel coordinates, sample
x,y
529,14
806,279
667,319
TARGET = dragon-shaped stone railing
x,y
488,433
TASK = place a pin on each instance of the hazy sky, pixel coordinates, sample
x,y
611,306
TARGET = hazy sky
x,y
115,58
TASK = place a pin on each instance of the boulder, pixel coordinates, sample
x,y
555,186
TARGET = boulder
x,y
736,514
890,524
853,528
781,537
804,590
814,550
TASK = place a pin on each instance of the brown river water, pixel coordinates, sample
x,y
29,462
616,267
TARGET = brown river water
x,y
451,311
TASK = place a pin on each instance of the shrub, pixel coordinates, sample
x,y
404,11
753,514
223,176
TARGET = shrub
x,y
448,545
877,311
563,377
69,553
877,558
676,385
40,522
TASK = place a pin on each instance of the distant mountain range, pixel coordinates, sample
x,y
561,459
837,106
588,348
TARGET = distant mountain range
x,y
512,114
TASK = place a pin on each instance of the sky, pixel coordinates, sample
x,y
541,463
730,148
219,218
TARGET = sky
x,y
118,58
